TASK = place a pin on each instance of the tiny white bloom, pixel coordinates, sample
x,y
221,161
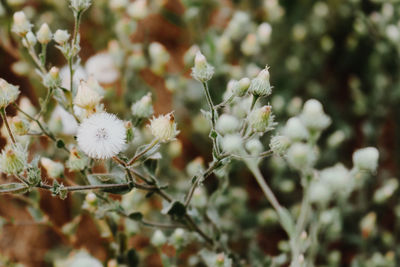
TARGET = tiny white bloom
x,y
87,97
164,127
54,169
366,159
295,130
101,136
79,74
202,71
103,68
227,124
313,116
143,108
21,24
158,239
44,34
61,36
8,93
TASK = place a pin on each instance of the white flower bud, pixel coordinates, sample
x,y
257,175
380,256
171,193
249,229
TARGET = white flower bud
x,y
143,108
279,144
175,148
313,116
366,159
77,161
260,86
319,192
137,61
80,5
164,127
295,130
53,169
301,156
195,167
232,143
52,79
21,24
338,178
19,126
44,34
254,146
91,198
159,57
158,239
368,224
87,97
244,85
261,120
264,31
30,40
250,46
13,159
202,71
8,93
138,10
178,237
386,191
224,44
61,36
336,138
227,124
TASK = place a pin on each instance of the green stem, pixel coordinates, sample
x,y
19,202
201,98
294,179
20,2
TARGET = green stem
x,y
135,158
4,117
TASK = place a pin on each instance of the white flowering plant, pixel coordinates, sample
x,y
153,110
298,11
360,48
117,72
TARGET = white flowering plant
x,y
129,168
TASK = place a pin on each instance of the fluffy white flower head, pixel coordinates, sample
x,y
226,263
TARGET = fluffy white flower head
x,y
101,136
164,127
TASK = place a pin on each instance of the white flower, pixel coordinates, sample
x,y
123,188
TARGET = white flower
x,y
202,71
164,127
138,9
44,34
13,159
232,143
366,159
30,39
261,120
21,24
313,116
264,31
295,130
250,46
227,124
158,239
61,36
103,68
260,86
87,97
279,144
8,93
338,178
254,146
69,124
101,136
143,108
301,156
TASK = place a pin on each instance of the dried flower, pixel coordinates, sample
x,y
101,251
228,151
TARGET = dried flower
x,y
164,127
77,161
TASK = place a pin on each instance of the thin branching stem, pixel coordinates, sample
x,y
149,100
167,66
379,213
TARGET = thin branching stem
x,y
4,117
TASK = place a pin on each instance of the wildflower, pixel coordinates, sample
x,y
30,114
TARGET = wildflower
x,y
301,156
195,167
103,68
264,31
202,71
320,192
368,224
118,4
101,136
143,108
61,36
8,93
21,24
199,199
260,86
86,97
13,159
80,5
261,120
19,126
336,177
366,159
80,74
250,46
178,237
44,34
227,124
224,44
159,57
313,116
158,239
279,144
54,169
68,123
295,130
52,79
232,143
77,161
243,86
164,127
138,9
254,146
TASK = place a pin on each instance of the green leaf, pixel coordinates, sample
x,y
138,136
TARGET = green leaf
x,y
15,188
176,209
114,178
136,216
